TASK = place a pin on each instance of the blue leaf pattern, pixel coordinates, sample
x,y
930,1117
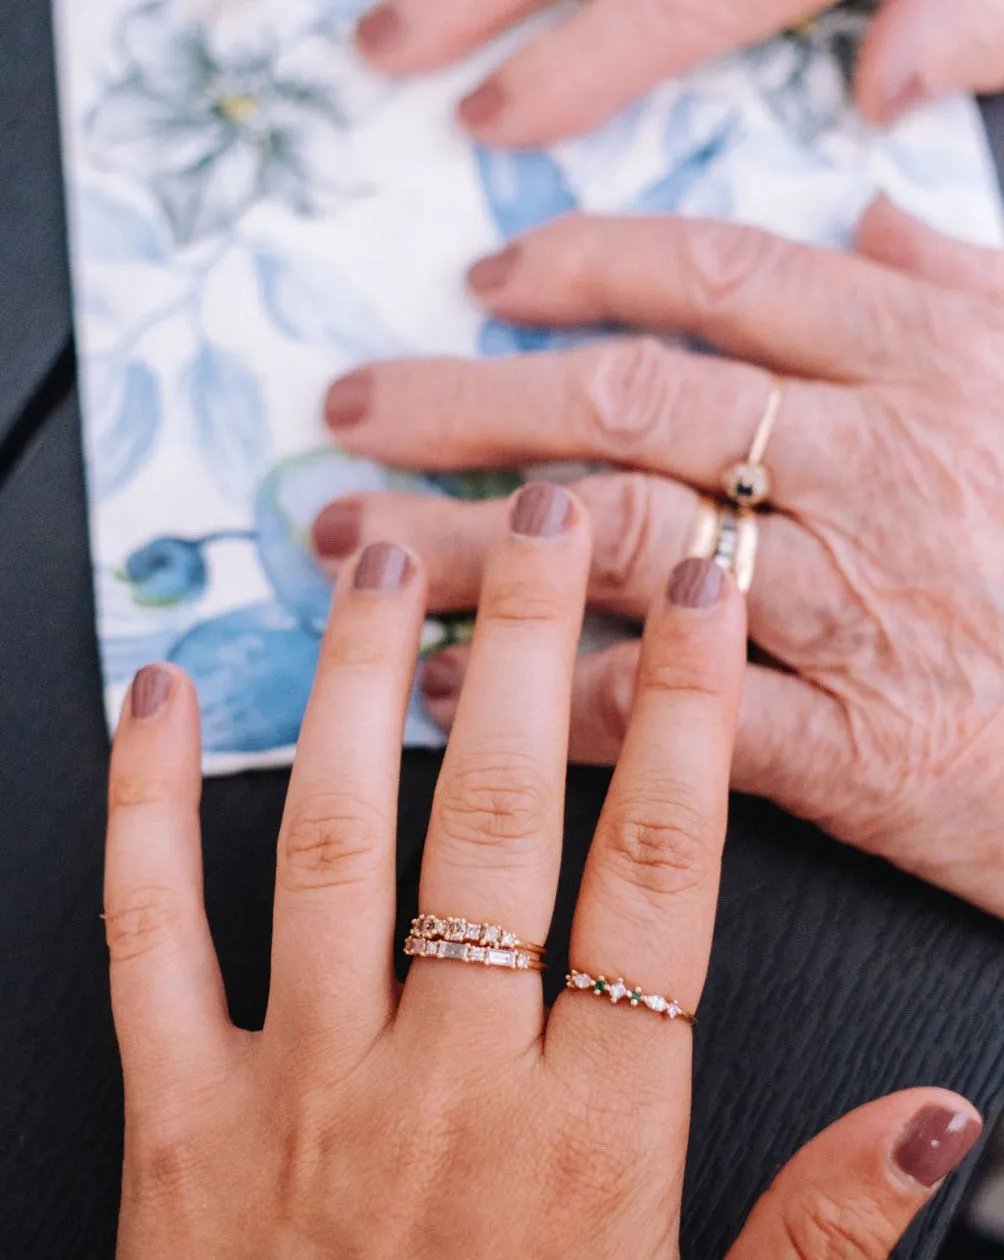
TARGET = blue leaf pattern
x,y
230,426
112,232
253,670
197,158
125,419
523,189
313,303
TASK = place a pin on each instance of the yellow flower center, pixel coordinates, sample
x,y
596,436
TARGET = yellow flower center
x,y
239,109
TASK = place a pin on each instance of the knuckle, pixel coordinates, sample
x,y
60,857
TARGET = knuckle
x,y
629,394
136,791
623,529
333,840
141,921
494,802
166,1160
690,672
823,1228
660,842
718,265
521,604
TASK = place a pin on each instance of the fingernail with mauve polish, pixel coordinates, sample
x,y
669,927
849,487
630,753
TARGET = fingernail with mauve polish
x,y
541,511
937,1140
696,584
150,690
440,677
383,567
484,104
380,29
492,272
337,529
349,400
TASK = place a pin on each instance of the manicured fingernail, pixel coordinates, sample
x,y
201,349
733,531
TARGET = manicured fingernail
x,y
440,676
696,583
383,567
150,690
337,529
494,271
905,95
483,104
349,399
380,29
937,1141
541,511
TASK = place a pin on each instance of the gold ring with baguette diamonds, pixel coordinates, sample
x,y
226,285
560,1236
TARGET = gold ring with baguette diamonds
x,y
729,536
620,990
461,940
747,484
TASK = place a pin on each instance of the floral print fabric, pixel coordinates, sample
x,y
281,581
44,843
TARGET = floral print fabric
x,y
254,213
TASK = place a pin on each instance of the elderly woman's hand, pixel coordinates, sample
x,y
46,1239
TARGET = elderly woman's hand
x,y
611,51
879,591
454,1118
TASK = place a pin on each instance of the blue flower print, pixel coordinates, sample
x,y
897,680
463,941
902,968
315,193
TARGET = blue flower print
x,y
211,131
253,670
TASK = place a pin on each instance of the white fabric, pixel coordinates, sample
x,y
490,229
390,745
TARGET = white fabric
x,y
254,213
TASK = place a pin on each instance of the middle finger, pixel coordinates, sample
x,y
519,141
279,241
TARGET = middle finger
x,y
494,846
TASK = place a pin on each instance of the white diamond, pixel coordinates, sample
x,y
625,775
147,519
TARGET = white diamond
x,y
582,981
451,949
509,940
501,958
411,945
473,932
672,1010
475,954
456,929
491,934
654,1002
523,961
618,990
432,948
435,927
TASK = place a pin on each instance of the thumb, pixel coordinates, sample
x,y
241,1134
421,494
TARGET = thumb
x,y
916,50
851,1193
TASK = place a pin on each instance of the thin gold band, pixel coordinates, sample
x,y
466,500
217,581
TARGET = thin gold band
x,y
620,990
481,955
747,483
432,927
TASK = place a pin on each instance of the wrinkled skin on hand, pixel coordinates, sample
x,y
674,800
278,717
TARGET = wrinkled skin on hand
x,y
876,708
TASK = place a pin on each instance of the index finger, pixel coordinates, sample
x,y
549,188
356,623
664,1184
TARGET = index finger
x,y
646,911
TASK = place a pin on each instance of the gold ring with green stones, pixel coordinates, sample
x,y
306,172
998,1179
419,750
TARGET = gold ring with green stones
x,y
620,991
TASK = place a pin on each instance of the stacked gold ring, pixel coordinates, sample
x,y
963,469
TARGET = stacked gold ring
x,y
727,532
462,940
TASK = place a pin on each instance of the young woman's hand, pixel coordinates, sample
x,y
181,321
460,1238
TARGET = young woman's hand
x,y
611,51
456,1117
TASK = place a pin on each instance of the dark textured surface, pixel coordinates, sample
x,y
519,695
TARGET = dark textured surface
x,y
34,288
833,980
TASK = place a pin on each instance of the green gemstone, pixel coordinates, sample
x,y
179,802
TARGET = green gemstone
x,y
600,986
635,996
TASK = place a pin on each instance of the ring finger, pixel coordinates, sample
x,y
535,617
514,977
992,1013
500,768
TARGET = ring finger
x,y
630,402
494,845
